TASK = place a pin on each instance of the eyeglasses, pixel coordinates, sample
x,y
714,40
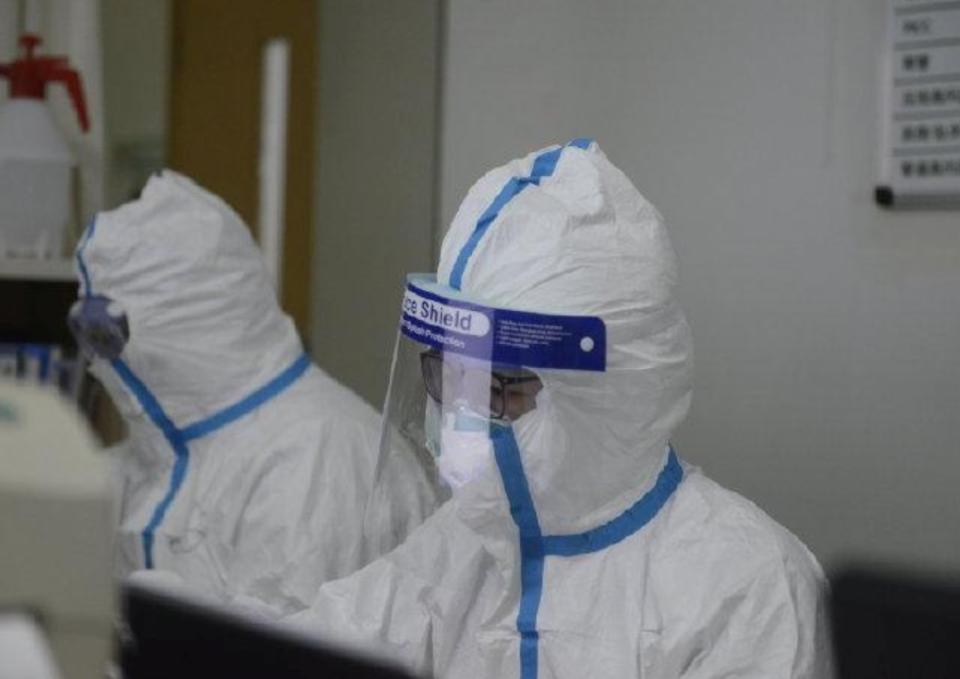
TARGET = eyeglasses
x,y
497,394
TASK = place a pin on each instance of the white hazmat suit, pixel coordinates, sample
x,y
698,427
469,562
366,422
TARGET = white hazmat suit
x,y
588,549
247,469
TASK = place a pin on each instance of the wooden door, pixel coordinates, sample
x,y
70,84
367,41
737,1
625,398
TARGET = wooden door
x,y
214,132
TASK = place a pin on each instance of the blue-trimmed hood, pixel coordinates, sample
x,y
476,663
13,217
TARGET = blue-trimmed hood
x,y
205,326
563,231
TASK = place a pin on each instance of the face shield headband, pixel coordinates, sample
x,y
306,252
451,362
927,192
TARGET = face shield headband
x,y
445,321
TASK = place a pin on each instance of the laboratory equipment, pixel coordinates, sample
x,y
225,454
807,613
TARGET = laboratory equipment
x,y
169,635
55,528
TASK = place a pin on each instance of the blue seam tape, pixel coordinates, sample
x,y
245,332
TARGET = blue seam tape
x,y
531,584
170,432
511,189
535,547
543,166
625,525
524,516
251,402
177,475
149,402
178,438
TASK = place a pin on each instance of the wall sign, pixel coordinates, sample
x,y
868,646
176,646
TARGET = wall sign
x,y
920,164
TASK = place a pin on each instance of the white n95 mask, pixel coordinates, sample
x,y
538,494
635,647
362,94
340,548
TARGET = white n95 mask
x,y
465,449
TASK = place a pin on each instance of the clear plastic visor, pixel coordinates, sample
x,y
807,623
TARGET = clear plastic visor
x,y
460,369
441,406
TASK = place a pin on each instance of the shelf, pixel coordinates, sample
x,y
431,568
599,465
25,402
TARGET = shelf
x,y
54,270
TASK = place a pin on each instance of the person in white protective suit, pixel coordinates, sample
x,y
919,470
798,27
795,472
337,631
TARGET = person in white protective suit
x,y
542,372
247,469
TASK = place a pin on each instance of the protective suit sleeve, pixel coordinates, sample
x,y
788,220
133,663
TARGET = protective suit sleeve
x,y
388,609
772,625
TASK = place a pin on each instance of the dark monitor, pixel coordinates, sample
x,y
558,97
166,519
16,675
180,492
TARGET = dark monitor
x,y
896,626
166,636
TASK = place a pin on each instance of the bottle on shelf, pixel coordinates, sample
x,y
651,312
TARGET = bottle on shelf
x,y
36,163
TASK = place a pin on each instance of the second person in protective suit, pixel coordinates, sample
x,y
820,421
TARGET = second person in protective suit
x,y
539,376
247,470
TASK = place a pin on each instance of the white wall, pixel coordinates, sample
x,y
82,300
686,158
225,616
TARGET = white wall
x,y
375,179
9,31
827,331
137,52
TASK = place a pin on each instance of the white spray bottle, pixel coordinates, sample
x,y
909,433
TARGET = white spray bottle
x,y
36,164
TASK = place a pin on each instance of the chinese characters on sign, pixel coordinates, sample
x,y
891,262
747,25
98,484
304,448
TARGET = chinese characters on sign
x,y
921,159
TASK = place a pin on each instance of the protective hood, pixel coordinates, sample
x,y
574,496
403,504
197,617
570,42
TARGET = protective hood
x,y
204,325
563,231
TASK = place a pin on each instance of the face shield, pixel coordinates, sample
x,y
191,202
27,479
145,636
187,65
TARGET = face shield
x,y
463,371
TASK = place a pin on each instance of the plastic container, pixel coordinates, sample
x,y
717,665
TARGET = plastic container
x,y
36,163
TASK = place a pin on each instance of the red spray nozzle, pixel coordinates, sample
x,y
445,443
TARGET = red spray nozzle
x,y
30,74
29,43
